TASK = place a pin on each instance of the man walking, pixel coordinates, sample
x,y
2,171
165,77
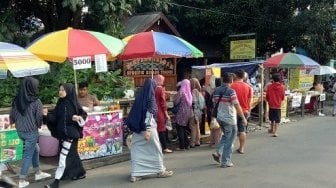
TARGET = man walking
x,y
275,94
244,94
228,108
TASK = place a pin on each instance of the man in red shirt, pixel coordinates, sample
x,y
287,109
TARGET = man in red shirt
x,y
275,94
244,94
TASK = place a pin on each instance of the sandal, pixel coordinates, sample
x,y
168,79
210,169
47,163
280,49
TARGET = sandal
x,y
135,178
216,157
167,151
78,177
240,152
165,174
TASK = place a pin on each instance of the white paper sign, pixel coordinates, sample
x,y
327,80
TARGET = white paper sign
x,y
81,62
296,101
101,63
307,99
323,97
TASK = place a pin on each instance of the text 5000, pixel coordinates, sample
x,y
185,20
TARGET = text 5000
x,y
81,61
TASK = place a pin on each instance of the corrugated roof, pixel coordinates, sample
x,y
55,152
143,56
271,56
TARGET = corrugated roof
x,y
142,22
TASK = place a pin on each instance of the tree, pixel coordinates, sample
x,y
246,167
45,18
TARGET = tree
x,y
275,22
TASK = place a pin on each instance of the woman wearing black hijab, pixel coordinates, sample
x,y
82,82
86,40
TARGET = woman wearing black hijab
x,y
146,151
66,124
26,113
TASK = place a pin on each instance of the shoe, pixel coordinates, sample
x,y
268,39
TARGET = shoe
x,y
42,175
167,151
135,178
197,145
274,135
216,157
165,174
54,184
23,183
320,114
230,164
78,177
240,152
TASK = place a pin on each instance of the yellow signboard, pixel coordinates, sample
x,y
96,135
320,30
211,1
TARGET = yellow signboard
x,y
299,79
243,49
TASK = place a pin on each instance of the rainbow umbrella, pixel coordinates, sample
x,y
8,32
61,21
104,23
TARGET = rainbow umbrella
x,y
153,44
20,62
290,60
70,43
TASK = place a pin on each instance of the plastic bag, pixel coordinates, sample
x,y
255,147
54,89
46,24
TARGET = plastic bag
x,y
214,124
169,126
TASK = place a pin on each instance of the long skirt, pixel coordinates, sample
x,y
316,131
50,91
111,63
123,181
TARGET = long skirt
x,y
70,165
146,156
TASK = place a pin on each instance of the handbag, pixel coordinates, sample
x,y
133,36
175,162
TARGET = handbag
x,y
129,141
175,108
169,126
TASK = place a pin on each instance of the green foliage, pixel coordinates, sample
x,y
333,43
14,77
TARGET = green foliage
x,y
9,88
106,84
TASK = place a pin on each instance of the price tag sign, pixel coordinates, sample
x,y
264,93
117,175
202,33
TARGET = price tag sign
x,y
296,101
81,62
323,97
307,99
101,63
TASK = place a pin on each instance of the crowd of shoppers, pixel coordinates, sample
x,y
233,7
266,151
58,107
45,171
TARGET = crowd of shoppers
x,y
226,99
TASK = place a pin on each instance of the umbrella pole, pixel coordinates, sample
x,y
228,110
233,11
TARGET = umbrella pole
x,y
152,68
75,76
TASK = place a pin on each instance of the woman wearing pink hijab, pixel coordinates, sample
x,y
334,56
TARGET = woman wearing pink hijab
x,y
162,113
184,100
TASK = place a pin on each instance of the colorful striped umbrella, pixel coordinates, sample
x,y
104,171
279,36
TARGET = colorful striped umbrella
x,y
290,60
323,70
66,44
20,62
153,44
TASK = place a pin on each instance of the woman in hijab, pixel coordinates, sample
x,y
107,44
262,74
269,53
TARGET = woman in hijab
x,y
184,100
66,124
196,113
162,113
146,151
27,114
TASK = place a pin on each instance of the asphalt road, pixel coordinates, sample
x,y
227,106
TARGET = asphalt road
x,y
302,156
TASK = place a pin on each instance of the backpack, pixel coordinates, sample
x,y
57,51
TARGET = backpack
x,y
201,101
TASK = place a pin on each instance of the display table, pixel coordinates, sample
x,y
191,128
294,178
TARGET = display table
x,y
102,135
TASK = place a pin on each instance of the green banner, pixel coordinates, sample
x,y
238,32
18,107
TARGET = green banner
x,y
11,146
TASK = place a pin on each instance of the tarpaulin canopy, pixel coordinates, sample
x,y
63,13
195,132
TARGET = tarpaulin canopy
x,y
250,67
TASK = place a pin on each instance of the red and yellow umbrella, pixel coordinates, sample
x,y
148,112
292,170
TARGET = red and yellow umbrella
x,y
69,43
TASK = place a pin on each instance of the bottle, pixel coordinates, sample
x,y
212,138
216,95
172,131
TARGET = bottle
x,y
118,106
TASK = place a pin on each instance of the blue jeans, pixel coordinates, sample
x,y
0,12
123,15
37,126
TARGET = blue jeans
x,y
30,152
225,145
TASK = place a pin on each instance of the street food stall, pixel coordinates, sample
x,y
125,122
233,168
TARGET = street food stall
x,y
294,69
11,146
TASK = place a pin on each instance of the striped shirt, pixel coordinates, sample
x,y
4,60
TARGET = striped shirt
x,y
226,110
31,121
